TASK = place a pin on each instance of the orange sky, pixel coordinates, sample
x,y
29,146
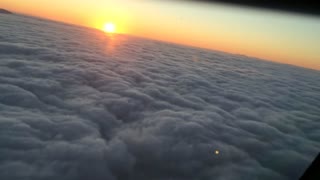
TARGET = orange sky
x,y
279,37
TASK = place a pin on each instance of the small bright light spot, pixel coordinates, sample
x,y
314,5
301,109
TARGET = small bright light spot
x,y
216,152
109,28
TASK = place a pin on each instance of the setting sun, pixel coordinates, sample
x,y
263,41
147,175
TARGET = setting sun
x,y
109,28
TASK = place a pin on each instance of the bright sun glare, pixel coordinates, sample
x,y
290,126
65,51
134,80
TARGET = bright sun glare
x,y
109,28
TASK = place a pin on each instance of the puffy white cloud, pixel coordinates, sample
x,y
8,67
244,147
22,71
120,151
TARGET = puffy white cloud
x,y
77,104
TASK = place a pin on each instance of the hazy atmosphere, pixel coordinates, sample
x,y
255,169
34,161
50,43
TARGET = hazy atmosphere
x,y
277,36
78,103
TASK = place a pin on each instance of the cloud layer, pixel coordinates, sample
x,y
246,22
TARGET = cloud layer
x,y
78,104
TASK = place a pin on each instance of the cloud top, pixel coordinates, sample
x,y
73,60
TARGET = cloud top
x,y
77,104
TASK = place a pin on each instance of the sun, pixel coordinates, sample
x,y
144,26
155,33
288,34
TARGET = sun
x,y
109,28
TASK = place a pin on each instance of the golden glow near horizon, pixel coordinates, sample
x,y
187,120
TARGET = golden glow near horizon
x,y
109,27
281,37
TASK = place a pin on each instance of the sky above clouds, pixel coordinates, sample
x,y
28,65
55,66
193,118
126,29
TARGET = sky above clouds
x,y
77,104
276,36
